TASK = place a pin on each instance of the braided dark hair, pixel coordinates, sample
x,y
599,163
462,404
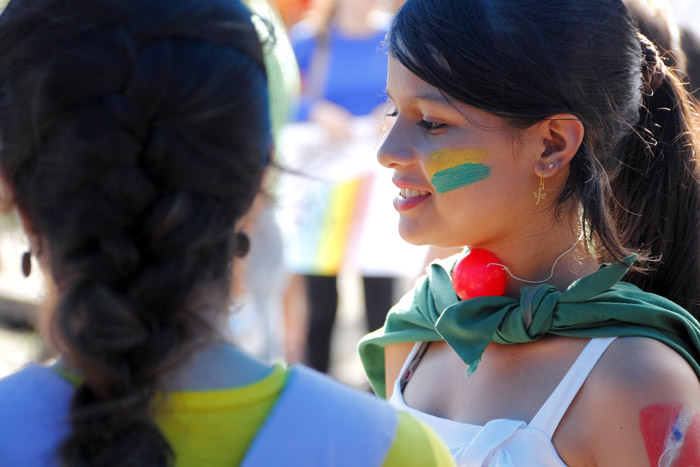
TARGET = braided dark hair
x,y
634,178
133,135
653,67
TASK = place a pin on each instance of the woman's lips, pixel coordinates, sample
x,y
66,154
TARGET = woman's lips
x,y
409,198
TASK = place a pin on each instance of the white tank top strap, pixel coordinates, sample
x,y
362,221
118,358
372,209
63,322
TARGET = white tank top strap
x,y
409,366
550,414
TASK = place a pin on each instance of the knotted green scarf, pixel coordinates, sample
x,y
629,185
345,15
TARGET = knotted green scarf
x,y
597,305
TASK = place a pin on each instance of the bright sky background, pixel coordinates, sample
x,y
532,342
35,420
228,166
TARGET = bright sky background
x,y
687,13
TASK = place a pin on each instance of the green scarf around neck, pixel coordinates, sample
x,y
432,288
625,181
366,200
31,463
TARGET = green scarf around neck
x,y
598,305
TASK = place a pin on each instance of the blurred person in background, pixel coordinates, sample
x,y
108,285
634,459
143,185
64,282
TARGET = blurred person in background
x,y
291,10
259,280
679,46
687,15
690,42
656,21
135,136
330,209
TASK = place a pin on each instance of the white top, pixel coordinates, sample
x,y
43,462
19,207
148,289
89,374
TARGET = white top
x,y
504,442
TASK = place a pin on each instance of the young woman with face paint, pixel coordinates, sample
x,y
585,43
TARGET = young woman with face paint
x,y
555,144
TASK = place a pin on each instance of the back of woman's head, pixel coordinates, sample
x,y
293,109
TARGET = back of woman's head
x,y
633,178
133,137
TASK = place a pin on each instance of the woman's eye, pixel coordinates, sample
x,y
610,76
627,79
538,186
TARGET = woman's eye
x,y
430,126
425,124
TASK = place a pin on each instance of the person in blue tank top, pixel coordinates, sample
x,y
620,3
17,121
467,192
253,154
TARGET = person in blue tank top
x,y
553,142
333,228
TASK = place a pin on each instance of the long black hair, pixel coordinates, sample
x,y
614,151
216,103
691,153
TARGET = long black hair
x,y
134,135
634,178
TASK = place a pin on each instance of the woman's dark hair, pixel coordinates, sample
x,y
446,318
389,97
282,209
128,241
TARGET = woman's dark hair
x,y
634,178
133,135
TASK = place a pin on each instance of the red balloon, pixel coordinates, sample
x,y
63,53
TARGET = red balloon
x,y
471,277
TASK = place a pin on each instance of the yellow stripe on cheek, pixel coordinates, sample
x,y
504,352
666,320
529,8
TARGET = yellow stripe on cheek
x,y
444,159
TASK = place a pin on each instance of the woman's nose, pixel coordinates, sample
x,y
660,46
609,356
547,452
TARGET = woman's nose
x,y
395,151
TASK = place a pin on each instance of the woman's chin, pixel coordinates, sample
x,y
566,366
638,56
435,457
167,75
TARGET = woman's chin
x,y
413,234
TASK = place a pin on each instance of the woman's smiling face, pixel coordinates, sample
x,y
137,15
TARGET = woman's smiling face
x,y
465,176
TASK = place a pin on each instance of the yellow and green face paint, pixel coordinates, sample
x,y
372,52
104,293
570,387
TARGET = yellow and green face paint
x,y
450,169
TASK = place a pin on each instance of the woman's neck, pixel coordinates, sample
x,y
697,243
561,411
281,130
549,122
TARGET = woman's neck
x,y
215,366
558,252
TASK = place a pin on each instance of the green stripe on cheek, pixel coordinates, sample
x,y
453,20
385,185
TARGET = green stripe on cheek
x,y
459,176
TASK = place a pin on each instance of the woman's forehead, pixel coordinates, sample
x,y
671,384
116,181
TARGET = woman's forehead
x,y
402,83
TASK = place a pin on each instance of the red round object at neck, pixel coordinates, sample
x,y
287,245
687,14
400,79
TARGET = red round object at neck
x,y
473,277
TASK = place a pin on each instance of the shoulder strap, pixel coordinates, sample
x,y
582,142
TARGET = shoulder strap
x,y
409,366
320,422
34,408
550,414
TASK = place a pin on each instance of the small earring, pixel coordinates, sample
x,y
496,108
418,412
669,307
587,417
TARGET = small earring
x,y
27,263
242,244
540,194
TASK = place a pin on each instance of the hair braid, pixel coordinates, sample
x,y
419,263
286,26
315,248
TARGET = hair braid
x,y
148,144
653,67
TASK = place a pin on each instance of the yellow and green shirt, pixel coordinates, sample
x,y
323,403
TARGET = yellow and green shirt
x,y
216,427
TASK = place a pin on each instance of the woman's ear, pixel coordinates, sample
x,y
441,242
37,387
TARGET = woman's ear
x,y
561,137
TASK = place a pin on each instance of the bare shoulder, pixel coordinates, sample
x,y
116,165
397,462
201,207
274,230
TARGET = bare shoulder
x,y
640,402
645,369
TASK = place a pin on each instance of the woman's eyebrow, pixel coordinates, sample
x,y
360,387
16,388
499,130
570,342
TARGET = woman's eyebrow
x,y
430,97
433,98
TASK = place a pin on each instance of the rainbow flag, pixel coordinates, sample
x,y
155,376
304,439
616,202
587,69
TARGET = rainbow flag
x,y
325,224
